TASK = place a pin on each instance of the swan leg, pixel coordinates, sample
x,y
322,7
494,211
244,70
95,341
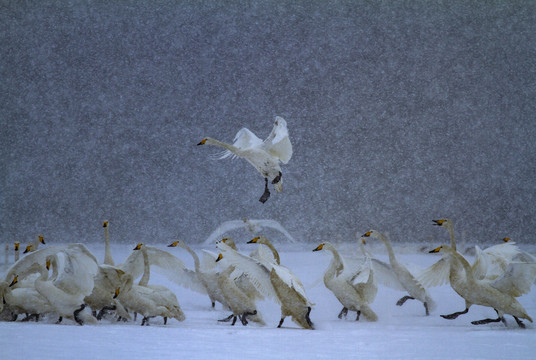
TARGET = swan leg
x,y
145,321
234,320
486,321
403,299
227,319
307,318
76,312
281,322
244,316
59,320
266,193
426,308
102,312
277,178
519,322
455,315
213,304
358,315
343,312
135,315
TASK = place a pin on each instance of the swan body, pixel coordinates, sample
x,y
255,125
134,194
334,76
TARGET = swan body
x,y
413,287
339,279
208,278
479,292
254,227
265,155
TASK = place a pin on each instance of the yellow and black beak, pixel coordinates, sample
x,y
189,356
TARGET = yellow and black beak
x,y
367,234
105,223
436,250
42,239
138,247
116,293
28,249
47,265
174,244
506,239
17,246
220,256
253,241
15,280
319,247
439,222
202,142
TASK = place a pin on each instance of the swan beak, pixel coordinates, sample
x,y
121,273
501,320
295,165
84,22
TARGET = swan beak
x,y
105,223
220,256
116,293
438,222
17,246
506,239
253,241
28,249
436,250
47,265
41,239
15,280
173,244
224,240
367,234
319,247
138,246
202,142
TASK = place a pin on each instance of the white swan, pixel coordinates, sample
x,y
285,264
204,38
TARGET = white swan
x,y
498,294
35,245
107,280
24,269
25,300
275,281
239,302
108,259
406,279
73,269
209,278
148,300
17,251
265,155
254,227
339,279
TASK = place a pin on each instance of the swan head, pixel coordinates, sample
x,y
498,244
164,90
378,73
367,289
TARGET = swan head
x,y
258,240
442,222
17,244
319,247
442,249
116,292
506,239
41,239
105,224
220,256
229,242
370,233
175,243
15,280
28,249
47,262
202,142
139,246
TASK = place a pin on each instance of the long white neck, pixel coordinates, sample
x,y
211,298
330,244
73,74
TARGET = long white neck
x,y
229,147
17,254
108,260
35,245
336,265
194,255
392,258
146,267
274,251
450,229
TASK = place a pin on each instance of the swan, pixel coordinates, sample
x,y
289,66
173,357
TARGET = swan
x,y
100,300
498,294
24,269
254,227
35,245
73,271
25,300
209,278
239,302
148,300
339,279
406,279
275,281
166,264
17,251
108,259
265,155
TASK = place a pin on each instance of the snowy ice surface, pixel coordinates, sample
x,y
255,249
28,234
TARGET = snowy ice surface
x,y
400,333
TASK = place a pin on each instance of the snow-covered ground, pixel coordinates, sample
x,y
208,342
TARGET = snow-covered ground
x,y
401,332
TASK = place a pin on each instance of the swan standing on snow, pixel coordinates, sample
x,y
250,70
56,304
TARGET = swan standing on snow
x,y
339,279
406,279
253,226
209,278
499,294
265,155
148,300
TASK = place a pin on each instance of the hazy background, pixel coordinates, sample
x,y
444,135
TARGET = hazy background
x,y
399,113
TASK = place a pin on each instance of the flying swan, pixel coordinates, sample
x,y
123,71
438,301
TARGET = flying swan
x,y
265,155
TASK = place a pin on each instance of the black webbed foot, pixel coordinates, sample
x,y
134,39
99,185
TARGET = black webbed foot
x,y
358,315
266,195
76,312
308,318
344,312
234,320
227,319
454,315
277,178
281,322
519,322
402,300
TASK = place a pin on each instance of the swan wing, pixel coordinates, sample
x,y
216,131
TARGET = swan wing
x,y
257,273
278,143
24,268
244,139
517,279
224,227
436,274
208,261
289,278
384,275
273,224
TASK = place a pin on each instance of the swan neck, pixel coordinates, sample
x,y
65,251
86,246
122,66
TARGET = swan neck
x,y
452,239
390,251
108,260
229,147
146,268
194,255
274,251
335,265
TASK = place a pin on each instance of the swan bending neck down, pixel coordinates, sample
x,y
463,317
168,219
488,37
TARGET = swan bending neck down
x,y
479,292
338,279
449,225
406,279
265,155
